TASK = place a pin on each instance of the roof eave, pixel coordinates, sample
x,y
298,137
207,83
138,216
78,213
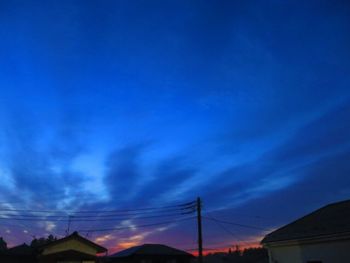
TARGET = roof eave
x,y
306,240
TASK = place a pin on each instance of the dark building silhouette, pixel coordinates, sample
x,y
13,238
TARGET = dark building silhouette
x,y
321,236
151,253
18,254
73,248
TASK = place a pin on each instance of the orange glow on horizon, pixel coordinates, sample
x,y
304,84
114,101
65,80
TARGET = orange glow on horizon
x,y
122,245
138,239
225,249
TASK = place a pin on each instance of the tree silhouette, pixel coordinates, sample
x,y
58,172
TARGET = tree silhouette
x,y
3,244
42,241
237,255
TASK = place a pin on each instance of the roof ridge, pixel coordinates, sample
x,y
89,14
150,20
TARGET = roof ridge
x,y
75,234
299,222
147,248
338,203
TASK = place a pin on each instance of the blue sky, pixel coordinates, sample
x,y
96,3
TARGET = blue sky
x,y
129,104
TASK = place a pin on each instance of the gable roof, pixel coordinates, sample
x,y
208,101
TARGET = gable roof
x,y
21,250
328,220
76,236
151,249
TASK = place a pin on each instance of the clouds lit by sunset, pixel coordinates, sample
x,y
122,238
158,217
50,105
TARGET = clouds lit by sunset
x,y
124,105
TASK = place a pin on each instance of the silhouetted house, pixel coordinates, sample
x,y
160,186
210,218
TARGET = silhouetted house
x,y
320,237
151,253
71,249
18,254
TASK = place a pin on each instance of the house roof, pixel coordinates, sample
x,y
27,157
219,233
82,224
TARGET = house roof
x,y
151,249
21,250
76,236
71,254
329,220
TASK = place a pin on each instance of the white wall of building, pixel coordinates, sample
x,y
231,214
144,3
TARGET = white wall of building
x,y
326,252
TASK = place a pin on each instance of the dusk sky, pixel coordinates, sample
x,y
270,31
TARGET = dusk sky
x,y
114,105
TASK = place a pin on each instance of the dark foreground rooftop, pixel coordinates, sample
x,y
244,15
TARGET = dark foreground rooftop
x,y
151,249
329,220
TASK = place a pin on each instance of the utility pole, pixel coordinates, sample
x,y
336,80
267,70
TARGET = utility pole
x,y
199,224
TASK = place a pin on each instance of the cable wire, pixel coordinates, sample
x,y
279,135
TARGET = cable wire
x,y
135,226
184,206
235,224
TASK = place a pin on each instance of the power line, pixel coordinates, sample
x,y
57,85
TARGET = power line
x,y
83,219
181,211
206,249
228,230
235,224
179,207
213,246
135,226
175,211
100,217
241,214
92,216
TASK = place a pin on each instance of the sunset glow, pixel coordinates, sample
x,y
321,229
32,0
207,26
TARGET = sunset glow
x,y
116,115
